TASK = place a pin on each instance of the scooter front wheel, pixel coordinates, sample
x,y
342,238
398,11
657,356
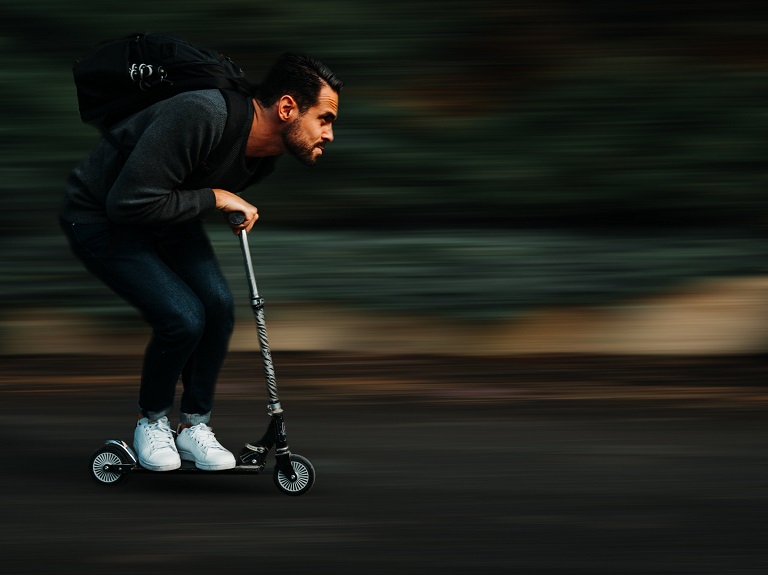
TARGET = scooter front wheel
x,y
106,465
305,477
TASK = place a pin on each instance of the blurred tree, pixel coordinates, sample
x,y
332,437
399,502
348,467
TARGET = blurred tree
x,y
457,114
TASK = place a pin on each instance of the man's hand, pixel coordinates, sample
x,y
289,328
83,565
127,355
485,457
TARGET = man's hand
x,y
229,202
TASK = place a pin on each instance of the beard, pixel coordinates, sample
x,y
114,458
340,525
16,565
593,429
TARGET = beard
x,y
296,146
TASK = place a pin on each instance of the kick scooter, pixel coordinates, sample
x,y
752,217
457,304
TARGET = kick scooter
x,y
293,474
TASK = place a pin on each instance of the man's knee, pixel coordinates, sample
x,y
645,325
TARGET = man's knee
x,y
191,327
181,324
188,323
220,311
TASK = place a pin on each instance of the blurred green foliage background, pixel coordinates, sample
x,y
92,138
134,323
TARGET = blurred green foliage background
x,y
491,156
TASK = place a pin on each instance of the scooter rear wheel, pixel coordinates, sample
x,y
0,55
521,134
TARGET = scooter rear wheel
x,y
103,463
305,477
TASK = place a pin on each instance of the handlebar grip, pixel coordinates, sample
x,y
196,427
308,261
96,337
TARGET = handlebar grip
x,y
236,218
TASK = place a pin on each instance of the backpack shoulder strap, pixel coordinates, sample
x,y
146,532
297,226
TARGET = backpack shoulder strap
x,y
237,114
222,154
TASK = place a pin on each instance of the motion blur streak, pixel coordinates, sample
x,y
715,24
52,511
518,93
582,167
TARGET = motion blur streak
x,y
493,161
518,310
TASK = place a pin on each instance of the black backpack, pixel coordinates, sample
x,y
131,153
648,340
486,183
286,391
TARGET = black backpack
x,y
123,76
120,77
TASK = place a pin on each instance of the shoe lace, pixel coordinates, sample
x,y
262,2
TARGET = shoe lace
x,y
159,434
205,437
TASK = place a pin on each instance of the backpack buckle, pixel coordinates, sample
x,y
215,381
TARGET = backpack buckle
x,y
145,76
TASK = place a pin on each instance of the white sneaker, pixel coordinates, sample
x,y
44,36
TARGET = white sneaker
x,y
153,442
199,444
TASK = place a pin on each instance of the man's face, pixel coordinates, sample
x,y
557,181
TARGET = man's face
x,y
305,136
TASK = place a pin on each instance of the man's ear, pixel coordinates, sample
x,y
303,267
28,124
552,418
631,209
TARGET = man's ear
x,y
287,108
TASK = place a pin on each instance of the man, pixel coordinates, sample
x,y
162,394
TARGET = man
x,y
135,223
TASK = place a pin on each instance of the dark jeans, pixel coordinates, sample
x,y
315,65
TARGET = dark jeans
x,y
172,277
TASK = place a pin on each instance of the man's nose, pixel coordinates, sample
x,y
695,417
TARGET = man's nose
x,y
328,134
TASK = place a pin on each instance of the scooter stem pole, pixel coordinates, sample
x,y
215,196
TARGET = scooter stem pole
x,y
257,305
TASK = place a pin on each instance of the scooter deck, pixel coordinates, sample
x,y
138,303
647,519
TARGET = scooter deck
x,y
189,467
252,464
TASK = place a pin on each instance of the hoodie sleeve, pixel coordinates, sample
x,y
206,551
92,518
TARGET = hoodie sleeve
x,y
180,134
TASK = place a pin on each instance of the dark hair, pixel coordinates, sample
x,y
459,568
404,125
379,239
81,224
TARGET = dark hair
x,y
299,76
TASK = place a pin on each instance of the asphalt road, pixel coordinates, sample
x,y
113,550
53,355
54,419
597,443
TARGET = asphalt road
x,y
440,465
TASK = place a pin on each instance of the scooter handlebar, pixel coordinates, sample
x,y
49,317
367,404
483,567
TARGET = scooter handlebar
x,y
236,218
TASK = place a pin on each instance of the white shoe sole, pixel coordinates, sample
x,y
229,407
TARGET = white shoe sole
x,y
168,467
208,466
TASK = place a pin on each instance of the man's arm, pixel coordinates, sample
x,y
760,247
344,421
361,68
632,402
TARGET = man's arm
x,y
179,135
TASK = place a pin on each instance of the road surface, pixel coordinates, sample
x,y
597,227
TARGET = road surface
x,y
542,464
